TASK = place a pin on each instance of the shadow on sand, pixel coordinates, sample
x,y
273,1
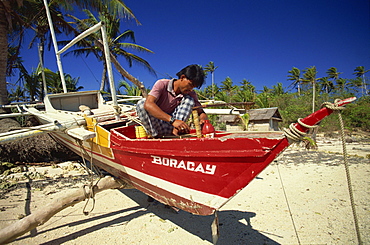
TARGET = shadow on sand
x,y
235,226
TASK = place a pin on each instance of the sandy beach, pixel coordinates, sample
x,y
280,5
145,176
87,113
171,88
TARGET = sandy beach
x,y
301,198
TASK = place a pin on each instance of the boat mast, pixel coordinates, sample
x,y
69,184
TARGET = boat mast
x,y
59,62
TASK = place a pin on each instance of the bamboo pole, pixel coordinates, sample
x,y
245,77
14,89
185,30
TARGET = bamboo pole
x,y
197,124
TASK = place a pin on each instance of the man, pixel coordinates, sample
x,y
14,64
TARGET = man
x,y
170,102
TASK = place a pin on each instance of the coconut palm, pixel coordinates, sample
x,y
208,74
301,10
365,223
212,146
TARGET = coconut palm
x,y
277,89
295,77
115,42
55,84
10,16
263,100
244,95
341,84
360,72
248,85
333,73
356,84
309,76
128,89
17,94
210,67
326,84
208,92
228,87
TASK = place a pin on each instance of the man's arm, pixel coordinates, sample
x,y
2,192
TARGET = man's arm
x,y
153,109
202,116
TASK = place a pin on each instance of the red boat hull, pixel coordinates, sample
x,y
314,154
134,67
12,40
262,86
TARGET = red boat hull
x,y
198,175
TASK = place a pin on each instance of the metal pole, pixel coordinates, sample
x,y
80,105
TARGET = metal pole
x,y
59,63
110,72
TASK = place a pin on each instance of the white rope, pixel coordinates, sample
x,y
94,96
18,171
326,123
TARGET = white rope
x,y
295,135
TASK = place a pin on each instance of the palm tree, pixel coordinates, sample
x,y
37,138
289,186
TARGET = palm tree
x,y
277,89
228,87
263,100
248,85
208,92
129,90
360,72
117,47
341,84
333,73
310,77
295,77
16,94
326,85
55,84
10,16
356,84
244,95
210,67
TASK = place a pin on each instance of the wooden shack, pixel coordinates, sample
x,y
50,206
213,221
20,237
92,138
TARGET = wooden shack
x,y
265,119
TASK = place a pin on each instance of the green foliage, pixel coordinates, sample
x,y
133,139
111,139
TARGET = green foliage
x,y
245,120
291,108
357,115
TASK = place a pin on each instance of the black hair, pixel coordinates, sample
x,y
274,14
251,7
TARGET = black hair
x,y
194,73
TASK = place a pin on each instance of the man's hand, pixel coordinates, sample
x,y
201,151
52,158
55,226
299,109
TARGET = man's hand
x,y
180,127
202,117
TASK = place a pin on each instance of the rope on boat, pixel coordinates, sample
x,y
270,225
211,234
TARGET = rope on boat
x,y
117,110
349,182
293,134
287,203
132,118
296,135
90,171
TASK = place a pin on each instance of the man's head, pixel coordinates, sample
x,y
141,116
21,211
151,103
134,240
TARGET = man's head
x,y
194,73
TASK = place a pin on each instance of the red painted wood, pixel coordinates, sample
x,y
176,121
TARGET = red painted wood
x,y
317,116
219,166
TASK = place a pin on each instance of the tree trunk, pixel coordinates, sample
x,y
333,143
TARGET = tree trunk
x,y
313,96
44,90
103,76
42,215
3,57
123,72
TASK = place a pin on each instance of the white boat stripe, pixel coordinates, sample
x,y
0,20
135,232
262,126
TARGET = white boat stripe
x,y
204,198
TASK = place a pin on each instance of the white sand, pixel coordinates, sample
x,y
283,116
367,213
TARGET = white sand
x,y
316,196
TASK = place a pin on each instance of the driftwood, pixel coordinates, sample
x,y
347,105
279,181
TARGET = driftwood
x,y
43,214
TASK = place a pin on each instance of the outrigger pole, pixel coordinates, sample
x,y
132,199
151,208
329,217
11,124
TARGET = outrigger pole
x,y
84,34
59,63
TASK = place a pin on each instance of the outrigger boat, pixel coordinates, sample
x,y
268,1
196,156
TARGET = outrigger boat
x,y
198,175
195,174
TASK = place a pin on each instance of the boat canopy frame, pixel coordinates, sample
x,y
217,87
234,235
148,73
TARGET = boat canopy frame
x,y
99,26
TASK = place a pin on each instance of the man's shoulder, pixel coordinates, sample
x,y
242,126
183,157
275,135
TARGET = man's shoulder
x,y
163,81
160,87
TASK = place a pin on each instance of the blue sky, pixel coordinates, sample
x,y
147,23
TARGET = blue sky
x,y
259,40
